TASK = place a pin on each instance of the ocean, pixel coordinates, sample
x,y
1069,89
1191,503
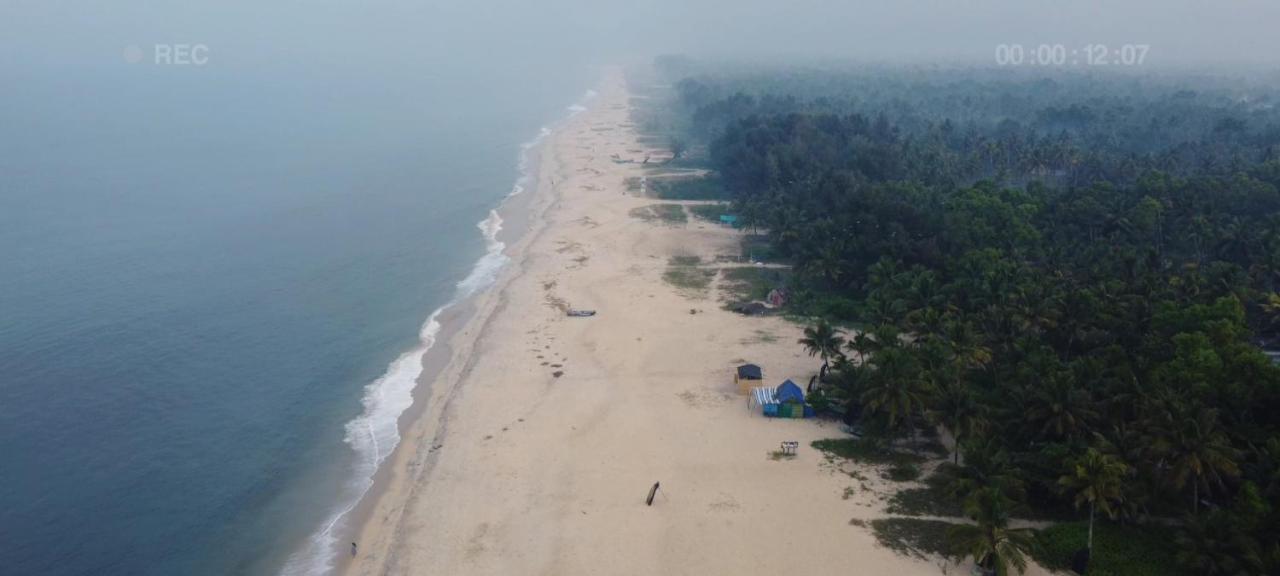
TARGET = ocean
x,y
215,281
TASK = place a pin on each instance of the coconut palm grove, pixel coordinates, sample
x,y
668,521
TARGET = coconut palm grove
x,y
1067,285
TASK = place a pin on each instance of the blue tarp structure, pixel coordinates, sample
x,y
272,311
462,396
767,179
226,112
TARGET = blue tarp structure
x,y
750,372
789,392
729,219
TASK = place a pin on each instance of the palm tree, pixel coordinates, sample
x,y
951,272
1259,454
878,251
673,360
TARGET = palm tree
x,y
986,465
993,545
1214,545
822,340
1061,409
862,343
967,349
957,409
1196,451
1096,478
896,387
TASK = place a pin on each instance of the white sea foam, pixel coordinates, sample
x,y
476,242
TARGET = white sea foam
x,y
375,433
486,269
523,162
581,105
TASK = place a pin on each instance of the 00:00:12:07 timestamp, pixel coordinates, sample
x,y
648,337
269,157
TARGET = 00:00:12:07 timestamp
x,y
1060,55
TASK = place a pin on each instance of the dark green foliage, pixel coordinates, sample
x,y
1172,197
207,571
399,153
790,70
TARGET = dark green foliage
x,y
670,214
1043,267
912,536
687,188
757,248
1117,550
751,283
865,450
902,472
709,212
936,498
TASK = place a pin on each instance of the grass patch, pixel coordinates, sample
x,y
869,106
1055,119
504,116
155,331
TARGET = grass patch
x,y
709,212
1117,550
932,500
865,450
902,472
745,283
685,260
760,337
756,248
632,183
685,188
689,278
671,214
912,536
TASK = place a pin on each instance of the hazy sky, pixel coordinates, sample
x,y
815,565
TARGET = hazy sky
x,y
458,33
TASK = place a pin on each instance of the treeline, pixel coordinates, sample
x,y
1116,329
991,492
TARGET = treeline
x,y
1013,127
1070,275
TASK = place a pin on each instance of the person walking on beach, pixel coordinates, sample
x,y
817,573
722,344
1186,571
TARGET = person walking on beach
x,y
353,549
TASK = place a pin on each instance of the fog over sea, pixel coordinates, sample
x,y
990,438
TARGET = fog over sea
x,y
207,262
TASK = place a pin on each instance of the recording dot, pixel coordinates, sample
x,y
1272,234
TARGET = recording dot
x,y
132,54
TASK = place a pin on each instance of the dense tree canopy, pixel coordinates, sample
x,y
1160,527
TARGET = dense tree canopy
x,y
1074,272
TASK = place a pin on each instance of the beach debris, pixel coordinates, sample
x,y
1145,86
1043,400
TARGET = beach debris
x,y
581,313
652,492
751,309
558,373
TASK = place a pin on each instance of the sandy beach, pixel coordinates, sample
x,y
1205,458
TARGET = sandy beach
x,y
535,443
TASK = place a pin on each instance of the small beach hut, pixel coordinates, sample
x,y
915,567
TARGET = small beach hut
x,y
747,376
789,392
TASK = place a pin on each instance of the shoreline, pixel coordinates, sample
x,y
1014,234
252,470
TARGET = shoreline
x,y
462,323
539,439
516,215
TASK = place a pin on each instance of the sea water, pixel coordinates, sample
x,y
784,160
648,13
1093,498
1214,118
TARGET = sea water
x,y
216,282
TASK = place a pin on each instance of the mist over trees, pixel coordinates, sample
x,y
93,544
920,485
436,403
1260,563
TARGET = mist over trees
x,y
1074,275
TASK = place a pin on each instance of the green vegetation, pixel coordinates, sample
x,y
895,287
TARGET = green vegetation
x,y
912,536
687,188
1117,550
745,283
936,498
902,472
695,280
709,212
670,214
683,272
865,450
757,248
780,455
1070,275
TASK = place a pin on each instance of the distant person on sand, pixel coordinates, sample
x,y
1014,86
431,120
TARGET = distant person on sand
x,y
353,549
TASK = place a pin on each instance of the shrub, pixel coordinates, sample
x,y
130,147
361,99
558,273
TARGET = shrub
x,y
865,450
709,212
1117,550
902,472
934,499
687,188
912,536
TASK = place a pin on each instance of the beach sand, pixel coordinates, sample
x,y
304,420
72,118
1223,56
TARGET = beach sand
x,y
533,447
